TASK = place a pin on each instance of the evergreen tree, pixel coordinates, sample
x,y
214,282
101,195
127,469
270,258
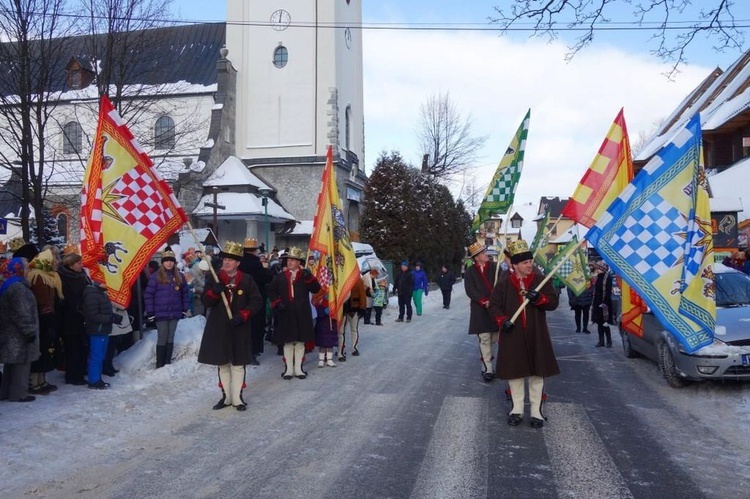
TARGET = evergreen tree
x,y
410,216
51,233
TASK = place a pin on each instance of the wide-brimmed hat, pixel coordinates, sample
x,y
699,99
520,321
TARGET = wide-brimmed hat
x,y
476,248
168,255
251,243
231,250
519,251
296,253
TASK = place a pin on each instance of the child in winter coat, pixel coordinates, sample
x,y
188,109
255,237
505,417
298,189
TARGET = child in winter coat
x,y
98,317
326,331
420,286
379,299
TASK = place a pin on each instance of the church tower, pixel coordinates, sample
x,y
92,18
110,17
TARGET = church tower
x,y
299,90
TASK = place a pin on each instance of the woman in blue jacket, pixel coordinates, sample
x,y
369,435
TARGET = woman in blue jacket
x,y
166,300
420,286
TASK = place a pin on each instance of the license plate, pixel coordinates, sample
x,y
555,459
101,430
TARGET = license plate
x,y
746,359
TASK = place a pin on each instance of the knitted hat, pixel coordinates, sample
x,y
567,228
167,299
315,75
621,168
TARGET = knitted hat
x,y
404,263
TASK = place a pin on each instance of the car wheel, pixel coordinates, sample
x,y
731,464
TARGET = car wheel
x,y
628,347
668,367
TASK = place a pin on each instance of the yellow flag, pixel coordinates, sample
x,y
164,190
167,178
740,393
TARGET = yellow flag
x,y
335,263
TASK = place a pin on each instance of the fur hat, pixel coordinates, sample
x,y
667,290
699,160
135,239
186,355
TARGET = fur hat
x,y
231,250
519,251
476,248
168,255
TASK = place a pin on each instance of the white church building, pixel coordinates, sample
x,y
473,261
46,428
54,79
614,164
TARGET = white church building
x,y
240,118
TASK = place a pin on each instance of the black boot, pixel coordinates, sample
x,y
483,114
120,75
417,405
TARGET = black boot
x,y
600,331
161,354
168,353
608,334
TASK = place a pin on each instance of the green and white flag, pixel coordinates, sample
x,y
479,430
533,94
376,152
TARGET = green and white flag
x,y
574,272
501,191
541,239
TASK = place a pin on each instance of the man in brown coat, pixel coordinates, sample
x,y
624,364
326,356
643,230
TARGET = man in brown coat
x,y
354,307
478,282
525,349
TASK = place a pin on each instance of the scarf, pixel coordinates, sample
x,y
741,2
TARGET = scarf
x,y
11,272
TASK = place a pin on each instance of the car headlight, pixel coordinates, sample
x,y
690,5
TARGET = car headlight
x,y
707,369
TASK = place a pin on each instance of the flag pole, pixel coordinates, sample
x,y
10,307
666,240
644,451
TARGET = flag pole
x,y
548,277
505,240
210,266
546,232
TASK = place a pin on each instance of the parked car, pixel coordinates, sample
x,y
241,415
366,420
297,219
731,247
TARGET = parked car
x,y
367,259
727,358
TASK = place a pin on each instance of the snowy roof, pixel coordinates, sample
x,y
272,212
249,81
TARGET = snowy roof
x,y
303,228
233,172
242,204
527,211
725,97
732,183
726,204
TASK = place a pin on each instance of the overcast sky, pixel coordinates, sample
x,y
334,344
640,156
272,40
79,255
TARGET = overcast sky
x,y
496,79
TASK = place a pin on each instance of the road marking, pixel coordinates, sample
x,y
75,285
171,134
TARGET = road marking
x,y
580,462
455,464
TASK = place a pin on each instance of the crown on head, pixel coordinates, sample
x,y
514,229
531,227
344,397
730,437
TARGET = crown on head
x,y
518,247
251,243
233,248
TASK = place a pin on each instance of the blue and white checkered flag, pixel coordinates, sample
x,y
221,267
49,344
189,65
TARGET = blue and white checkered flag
x,y
657,236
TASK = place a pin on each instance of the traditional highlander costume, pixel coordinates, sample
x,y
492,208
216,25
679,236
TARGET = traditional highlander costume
x,y
525,349
226,342
354,307
478,282
252,266
289,293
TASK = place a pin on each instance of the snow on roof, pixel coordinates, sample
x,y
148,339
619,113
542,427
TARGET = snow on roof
x,y
303,228
233,172
527,211
724,204
732,184
242,203
714,114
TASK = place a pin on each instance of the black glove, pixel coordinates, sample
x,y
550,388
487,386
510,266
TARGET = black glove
x,y
235,321
117,319
280,307
533,296
307,275
507,326
218,288
150,317
31,339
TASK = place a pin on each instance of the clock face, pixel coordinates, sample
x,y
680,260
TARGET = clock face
x,y
280,20
348,37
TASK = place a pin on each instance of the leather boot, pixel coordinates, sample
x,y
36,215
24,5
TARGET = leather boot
x,y
608,335
536,390
321,359
288,361
517,393
329,359
238,384
225,383
600,331
161,355
299,354
168,353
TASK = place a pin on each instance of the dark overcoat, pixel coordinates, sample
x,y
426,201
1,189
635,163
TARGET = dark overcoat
x,y
527,349
97,311
478,286
602,296
403,285
582,301
71,307
19,325
291,300
221,343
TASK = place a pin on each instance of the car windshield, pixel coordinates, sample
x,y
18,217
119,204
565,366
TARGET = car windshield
x,y
732,288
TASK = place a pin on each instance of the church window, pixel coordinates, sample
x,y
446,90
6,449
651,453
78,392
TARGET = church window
x,y
72,138
62,226
164,133
280,56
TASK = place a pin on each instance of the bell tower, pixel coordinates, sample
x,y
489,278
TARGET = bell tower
x,y
299,89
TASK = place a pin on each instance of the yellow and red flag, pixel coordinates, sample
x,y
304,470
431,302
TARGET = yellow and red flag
x,y
127,210
335,263
609,173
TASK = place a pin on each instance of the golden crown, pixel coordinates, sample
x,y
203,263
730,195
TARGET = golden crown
x,y
167,253
232,248
251,243
16,243
296,253
476,248
71,249
518,247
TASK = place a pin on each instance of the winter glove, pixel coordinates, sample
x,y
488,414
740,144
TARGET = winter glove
x,y
218,288
235,321
280,307
30,339
116,319
507,326
150,317
307,275
533,296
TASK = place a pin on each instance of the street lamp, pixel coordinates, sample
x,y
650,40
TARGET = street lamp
x,y
265,191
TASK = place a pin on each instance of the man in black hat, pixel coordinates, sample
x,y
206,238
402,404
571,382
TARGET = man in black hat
x,y
252,266
478,282
525,349
226,342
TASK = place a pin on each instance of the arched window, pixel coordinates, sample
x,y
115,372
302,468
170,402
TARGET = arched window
x,y
72,138
164,133
348,127
280,56
62,226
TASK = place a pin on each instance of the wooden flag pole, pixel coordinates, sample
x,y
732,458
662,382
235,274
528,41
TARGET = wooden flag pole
x,y
210,267
547,278
505,240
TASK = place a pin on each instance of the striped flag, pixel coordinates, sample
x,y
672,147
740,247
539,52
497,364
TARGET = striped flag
x,y
657,236
502,189
127,210
335,264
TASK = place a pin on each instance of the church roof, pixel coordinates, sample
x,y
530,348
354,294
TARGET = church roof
x,y
233,172
157,56
240,205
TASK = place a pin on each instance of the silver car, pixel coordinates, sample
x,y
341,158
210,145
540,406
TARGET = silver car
x,y
728,357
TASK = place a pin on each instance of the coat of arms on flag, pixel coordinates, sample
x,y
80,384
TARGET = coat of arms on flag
x,y
657,236
127,210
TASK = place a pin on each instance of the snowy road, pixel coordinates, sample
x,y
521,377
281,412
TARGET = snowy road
x,y
409,418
